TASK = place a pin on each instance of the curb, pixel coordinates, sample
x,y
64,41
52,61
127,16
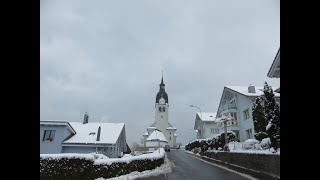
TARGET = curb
x,y
251,172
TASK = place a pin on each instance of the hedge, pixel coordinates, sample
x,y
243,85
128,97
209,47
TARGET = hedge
x,y
76,168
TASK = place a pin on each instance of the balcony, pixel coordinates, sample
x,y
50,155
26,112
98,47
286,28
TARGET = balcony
x,y
230,107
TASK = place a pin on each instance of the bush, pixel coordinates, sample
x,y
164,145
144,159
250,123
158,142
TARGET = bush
x,y
215,142
265,143
75,168
251,144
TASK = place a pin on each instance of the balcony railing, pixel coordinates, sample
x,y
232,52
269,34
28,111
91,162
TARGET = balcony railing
x,y
229,106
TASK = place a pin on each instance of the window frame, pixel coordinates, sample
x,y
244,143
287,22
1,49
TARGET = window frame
x,y
246,114
50,137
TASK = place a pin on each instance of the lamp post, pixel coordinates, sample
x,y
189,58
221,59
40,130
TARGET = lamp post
x,y
200,117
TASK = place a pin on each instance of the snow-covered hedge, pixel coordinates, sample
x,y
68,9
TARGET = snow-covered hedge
x,y
215,142
90,166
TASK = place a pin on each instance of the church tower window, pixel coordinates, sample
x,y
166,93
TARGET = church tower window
x,y
163,109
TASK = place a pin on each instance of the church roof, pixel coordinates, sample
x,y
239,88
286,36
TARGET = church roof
x,y
162,92
156,136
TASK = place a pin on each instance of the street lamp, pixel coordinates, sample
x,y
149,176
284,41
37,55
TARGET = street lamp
x,y
200,117
198,108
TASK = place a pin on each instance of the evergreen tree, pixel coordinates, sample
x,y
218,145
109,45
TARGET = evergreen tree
x,y
275,135
272,116
259,120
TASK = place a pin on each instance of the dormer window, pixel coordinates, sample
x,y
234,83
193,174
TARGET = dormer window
x,y
92,133
48,135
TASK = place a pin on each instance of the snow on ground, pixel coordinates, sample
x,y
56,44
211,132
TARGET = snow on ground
x,y
68,155
163,169
155,155
102,159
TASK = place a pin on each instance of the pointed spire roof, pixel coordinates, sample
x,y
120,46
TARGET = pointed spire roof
x,y
162,79
162,92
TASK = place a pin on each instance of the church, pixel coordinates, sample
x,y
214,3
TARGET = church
x,y
161,125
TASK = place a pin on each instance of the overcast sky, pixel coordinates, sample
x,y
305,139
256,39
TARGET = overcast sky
x,y
105,57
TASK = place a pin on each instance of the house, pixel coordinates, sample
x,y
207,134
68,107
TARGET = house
x,y
162,119
238,101
205,125
57,136
274,71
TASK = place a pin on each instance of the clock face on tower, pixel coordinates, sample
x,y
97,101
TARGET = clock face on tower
x,y
162,101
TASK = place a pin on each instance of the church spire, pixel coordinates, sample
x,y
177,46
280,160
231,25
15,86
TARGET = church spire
x,y
162,91
162,84
162,78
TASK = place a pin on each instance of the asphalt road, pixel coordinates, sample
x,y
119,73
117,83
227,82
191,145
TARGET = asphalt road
x,y
185,166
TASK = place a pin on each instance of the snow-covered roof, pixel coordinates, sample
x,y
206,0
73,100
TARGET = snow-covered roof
x,y
58,122
87,133
207,116
151,127
175,135
146,134
156,135
171,128
244,90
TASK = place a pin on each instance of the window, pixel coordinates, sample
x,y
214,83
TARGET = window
x,y
170,132
214,131
234,115
170,138
249,133
161,116
246,114
48,135
159,109
163,109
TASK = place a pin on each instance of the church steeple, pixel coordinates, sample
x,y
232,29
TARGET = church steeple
x,y
162,85
162,92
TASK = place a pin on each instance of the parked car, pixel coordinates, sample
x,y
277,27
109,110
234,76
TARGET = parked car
x,y
167,148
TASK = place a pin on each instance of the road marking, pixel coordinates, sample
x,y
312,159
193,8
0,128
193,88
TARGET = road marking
x,y
222,167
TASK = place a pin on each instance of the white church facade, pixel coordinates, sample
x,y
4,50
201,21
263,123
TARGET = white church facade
x,y
162,119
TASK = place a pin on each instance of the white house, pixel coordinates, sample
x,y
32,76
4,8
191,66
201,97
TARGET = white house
x,y
238,101
274,71
59,136
162,118
205,125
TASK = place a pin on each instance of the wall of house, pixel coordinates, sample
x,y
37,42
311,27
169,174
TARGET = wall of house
x,y
207,129
54,146
244,103
78,149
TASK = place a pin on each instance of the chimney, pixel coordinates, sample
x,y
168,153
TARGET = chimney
x,y
98,135
86,118
251,89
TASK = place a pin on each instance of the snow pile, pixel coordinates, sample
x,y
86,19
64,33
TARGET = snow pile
x,y
252,144
68,156
152,156
127,156
102,159
163,169
251,147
